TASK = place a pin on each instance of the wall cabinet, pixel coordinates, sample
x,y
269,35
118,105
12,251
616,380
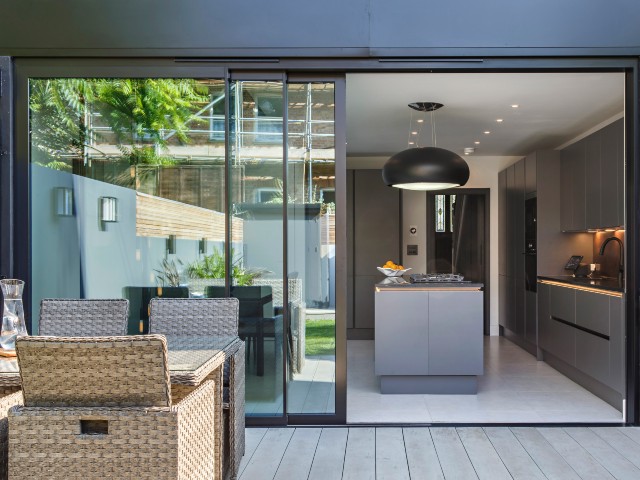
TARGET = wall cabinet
x,y
585,330
592,180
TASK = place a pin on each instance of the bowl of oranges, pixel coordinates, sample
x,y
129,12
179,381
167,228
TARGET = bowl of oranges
x,y
391,269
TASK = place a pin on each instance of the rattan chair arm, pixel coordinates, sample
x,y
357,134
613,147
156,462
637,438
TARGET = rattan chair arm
x,y
202,397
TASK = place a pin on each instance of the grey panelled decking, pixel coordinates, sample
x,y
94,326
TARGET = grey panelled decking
x,y
442,453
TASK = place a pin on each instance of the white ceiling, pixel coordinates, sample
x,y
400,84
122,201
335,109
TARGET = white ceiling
x,y
554,108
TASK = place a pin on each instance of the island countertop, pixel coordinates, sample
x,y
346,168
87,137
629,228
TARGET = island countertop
x,y
399,284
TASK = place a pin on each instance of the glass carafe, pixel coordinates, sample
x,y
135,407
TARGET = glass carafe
x,y
13,323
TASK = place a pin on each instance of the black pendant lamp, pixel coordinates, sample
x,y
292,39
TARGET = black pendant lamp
x,y
425,168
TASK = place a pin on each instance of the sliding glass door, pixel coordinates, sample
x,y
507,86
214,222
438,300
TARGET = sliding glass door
x,y
187,182
282,251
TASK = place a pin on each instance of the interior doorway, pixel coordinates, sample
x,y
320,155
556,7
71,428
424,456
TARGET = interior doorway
x,y
457,237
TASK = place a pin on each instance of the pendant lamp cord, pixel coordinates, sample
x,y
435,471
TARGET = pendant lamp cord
x,y
409,136
433,130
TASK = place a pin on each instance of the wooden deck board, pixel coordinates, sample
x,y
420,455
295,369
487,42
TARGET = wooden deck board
x,y
391,458
421,455
360,457
484,458
297,460
329,458
416,453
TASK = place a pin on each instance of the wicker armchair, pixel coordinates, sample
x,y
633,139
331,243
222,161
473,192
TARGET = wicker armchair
x,y
211,316
83,317
101,407
6,402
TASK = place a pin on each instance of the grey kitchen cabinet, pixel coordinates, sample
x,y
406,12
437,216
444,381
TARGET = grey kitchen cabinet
x,y
375,238
531,318
502,221
503,299
402,333
617,349
592,180
562,304
592,356
592,311
593,187
578,168
620,164
363,300
609,177
584,329
566,189
555,337
518,247
455,324
530,166
573,188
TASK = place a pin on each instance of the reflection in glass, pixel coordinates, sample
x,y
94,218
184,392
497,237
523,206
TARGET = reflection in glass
x,y
311,248
143,147
257,203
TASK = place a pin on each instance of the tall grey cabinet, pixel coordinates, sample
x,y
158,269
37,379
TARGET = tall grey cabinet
x,y
373,216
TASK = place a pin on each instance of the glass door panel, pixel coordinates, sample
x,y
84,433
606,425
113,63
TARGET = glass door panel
x,y
311,248
127,188
257,200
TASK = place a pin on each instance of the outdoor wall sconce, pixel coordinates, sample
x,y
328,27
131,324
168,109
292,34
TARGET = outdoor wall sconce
x,y
171,244
63,201
202,246
108,209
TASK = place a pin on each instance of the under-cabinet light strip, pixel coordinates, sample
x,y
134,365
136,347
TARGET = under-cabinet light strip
x,y
585,289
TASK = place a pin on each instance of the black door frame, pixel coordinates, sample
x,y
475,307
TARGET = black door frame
x,y
14,183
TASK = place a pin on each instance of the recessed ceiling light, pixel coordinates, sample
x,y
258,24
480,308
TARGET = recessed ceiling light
x,y
420,120
466,153
487,132
515,105
499,120
477,142
414,133
412,143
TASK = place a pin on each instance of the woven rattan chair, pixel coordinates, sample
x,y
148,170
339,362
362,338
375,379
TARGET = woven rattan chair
x,y
66,317
6,402
102,407
211,316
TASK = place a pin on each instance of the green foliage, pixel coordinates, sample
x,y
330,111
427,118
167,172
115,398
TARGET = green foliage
x,y
169,276
133,109
213,266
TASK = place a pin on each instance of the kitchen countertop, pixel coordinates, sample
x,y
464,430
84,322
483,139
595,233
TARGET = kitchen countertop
x,y
605,283
400,283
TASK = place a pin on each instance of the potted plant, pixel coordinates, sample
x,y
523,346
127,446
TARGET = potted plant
x,y
210,271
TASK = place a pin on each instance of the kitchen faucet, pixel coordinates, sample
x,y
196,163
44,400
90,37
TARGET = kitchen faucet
x,y
621,265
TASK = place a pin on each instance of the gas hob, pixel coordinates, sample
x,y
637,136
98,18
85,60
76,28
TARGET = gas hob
x,y
436,278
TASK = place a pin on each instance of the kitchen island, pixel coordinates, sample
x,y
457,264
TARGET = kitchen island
x,y
429,337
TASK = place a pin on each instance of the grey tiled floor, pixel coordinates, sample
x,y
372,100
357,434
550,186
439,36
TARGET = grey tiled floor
x,y
516,388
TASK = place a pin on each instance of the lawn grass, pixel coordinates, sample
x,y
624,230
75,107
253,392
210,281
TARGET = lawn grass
x,y
320,338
